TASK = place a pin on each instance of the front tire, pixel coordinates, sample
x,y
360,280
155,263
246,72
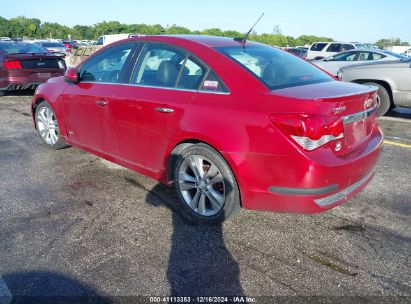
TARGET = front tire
x,y
48,127
384,99
205,185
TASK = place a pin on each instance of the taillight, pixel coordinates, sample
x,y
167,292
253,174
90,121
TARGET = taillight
x,y
309,131
12,65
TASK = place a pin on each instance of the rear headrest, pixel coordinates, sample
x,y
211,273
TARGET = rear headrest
x,y
167,73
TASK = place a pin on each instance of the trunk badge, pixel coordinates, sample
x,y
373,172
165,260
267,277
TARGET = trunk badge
x,y
339,109
338,146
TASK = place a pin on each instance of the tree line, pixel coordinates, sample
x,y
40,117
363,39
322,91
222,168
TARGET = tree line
x,y
23,27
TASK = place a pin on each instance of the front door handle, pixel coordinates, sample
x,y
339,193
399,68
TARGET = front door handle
x,y
164,110
102,103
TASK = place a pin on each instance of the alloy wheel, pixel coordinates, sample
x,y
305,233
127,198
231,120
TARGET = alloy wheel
x,y
47,125
202,185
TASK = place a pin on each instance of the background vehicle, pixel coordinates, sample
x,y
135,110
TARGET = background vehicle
x,y
320,50
107,39
230,124
302,53
71,45
393,79
25,65
54,47
334,63
80,54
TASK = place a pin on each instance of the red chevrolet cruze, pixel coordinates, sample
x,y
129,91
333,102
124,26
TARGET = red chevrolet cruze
x,y
230,124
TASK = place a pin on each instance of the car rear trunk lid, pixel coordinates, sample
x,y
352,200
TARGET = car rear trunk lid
x,y
354,104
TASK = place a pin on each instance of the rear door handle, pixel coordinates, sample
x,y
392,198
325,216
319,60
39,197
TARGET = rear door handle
x,y
164,110
102,102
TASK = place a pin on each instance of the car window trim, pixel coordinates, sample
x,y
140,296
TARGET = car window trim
x,y
155,87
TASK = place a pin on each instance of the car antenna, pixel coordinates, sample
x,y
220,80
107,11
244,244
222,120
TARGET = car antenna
x,y
243,40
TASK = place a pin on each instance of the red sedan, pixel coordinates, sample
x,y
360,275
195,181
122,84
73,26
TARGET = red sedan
x,y
230,124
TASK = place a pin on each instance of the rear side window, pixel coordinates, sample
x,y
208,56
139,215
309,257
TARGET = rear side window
x,y
376,56
191,75
107,66
334,47
347,47
159,66
213,83
164,66
317,47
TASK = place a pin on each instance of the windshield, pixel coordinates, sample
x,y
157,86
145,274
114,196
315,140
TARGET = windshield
x,y
275,68
12,48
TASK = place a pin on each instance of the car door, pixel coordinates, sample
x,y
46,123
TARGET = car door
x,y
149,111
86,105
406,84
336,62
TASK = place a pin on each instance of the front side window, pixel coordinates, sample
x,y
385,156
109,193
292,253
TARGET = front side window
x,y
275,68
107,66
317,47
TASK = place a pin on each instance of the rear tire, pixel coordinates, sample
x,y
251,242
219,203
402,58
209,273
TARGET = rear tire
x,y
384,99
48,127
205,185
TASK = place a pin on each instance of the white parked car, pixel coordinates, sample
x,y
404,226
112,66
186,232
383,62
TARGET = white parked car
x,y
320,50
107,39
332,64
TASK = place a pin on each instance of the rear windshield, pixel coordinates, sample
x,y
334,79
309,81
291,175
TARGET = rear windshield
x,y
399,56
275,68
12,48
52,44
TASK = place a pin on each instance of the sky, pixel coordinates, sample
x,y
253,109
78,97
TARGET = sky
x,y
345,20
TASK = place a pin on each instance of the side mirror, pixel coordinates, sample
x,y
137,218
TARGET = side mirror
x,y
71,75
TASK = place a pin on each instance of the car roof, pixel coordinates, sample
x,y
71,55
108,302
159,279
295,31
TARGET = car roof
x,y
210,41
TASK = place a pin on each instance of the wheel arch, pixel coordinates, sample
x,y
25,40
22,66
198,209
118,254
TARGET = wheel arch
x,y
383,83
182,145
34,106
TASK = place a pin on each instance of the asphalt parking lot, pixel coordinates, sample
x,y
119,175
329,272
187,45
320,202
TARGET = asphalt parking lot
x,y
74,225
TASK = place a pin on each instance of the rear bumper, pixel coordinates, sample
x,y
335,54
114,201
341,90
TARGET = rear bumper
x,y
30,81
301,183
